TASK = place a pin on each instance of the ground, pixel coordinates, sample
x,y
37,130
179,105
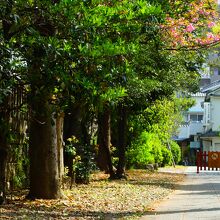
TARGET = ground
x,y
101,199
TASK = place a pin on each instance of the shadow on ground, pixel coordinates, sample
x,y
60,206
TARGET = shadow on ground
x,y
181,211
25,212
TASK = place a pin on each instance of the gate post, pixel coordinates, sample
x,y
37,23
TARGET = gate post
x,y
197,160
204,160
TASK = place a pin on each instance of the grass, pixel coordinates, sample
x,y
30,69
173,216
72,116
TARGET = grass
x,y
101,199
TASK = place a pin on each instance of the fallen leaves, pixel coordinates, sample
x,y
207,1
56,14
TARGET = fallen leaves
x,y
101,199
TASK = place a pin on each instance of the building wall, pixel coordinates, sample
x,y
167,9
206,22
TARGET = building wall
x,y
215,113
196,127
216,144
183,131
207,145
191,126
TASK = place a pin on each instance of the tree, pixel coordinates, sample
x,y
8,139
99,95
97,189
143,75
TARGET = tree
x,y
93,53
30,30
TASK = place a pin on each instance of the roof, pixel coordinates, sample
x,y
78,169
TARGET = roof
x,y
211,134
180,139
196,109
213,86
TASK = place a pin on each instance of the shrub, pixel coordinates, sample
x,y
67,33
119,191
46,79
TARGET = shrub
x,y
167,157
144,150
176,151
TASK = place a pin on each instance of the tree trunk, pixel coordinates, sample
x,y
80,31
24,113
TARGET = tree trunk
x,y
72,127
104,153
3,160
122,131
4,147
44,161
59,130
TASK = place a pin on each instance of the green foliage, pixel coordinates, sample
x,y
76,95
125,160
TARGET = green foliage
x,y
149,148
85,165
95,52
83,159
145,150
69,146
162,117
176,151
157,150
167,157
19,169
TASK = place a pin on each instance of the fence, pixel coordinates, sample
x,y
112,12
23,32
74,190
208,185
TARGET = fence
x,y
207,160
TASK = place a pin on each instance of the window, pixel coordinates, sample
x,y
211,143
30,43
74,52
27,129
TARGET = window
x,y
200,117
196,118
193,117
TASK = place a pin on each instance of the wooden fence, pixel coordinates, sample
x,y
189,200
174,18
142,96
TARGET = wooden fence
x,y
207,160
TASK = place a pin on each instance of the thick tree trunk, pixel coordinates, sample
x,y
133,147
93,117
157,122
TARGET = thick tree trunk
x,y
122,130
45,181
44,161
104,154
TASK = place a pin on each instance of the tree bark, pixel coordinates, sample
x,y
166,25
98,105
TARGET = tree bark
x,y
45,181
104,153
3,160
44,162
122,131
4,146
59,130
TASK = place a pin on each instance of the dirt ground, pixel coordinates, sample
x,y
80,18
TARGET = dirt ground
x,y
101,199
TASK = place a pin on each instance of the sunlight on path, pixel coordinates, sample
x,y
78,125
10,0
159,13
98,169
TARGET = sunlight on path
x,y
198,198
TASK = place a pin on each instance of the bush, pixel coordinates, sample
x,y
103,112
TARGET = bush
x,y
145,150
148,149
167,157
157,150
176,151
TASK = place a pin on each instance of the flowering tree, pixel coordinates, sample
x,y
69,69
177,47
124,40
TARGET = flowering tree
x,y
194,24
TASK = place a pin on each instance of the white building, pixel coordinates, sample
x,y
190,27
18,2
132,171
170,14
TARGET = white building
x,y
211,123
193,118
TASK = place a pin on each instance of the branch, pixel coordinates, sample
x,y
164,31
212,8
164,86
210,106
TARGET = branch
x,y
195,47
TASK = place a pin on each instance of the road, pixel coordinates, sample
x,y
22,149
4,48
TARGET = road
x,y
197,198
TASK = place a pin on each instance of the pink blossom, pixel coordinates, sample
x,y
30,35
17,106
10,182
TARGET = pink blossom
x,y
210,36
211,24
190,28
201,12
195,19
216,38
199,41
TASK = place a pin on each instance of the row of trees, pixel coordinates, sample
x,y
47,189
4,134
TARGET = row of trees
x,y
88,70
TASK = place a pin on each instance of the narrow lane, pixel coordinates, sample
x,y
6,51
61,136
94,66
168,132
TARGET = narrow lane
x,y
197,198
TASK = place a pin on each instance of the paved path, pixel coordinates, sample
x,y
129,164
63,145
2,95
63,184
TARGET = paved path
x,y
198,198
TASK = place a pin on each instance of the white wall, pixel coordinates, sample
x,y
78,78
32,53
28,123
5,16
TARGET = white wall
x,y
196,127
215,113
207,146
216,144
183,132
213,144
